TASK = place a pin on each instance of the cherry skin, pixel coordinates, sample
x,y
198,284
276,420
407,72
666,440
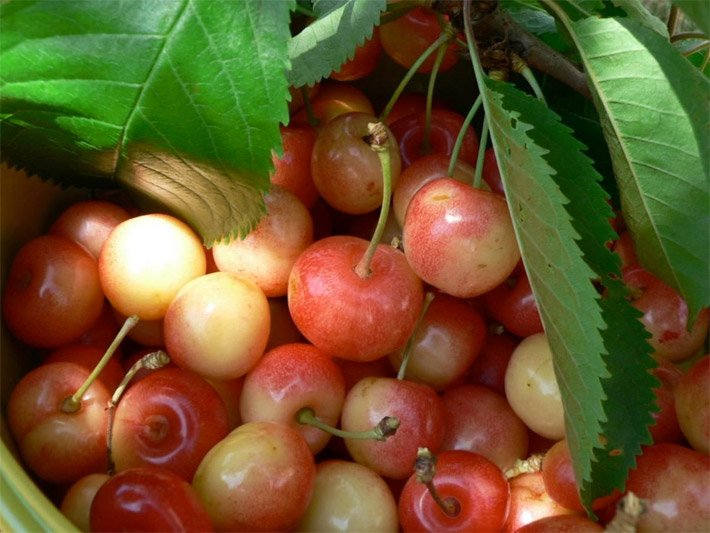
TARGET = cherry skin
x,y
532,390
76,503
492,362
52,295
148,498
665,315
491,172
348,316
292,170
58,446
267,254
88,357
529,501
407,37
421,423
171,418
692,404
289,378
475,483
409,103
513,304
481,421
259,478
349,497
444,129
335,99
560,481
459,239
363,62
674,481
146,260
218,326
666,427
425,169
561,524
345,170
283,330
89,223
446,343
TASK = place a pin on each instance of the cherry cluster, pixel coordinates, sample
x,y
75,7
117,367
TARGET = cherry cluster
x,y
412,335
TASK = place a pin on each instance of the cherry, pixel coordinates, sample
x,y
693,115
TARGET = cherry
x,y
363,62
345,169
560,481
481,421
666,427
665,315
289,378
475,488
561,524
267,254
59,446
692,404
490,366
292,170
146,260
218,326
444,128
148,498
76,503
283,330
512,303
88,357
445,344
421,423
52,295
349,497
459,239
171,418
335,99
347,315
89,223
491,172
529,501
674,482
407,37
532,390
259,478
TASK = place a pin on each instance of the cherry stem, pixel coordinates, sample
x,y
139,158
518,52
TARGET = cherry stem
x,y
381,432
379,141
478,174
428,298
425,470
672,22
628,511
150,361
687,35
426,145
443,38
522,68
525,466
312,119
462,132
73,402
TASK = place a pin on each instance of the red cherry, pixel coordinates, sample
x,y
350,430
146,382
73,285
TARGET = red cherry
x,y
529,501
512,303
489,367
363,62
444,129
292,170
692,404
570,523
88,357
335,99
666,427
478,487
148,498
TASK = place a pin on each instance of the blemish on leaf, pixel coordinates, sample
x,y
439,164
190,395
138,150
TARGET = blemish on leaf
x,y
602,439
616,452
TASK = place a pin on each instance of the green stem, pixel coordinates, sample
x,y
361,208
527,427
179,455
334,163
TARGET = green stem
x,y
380,142
478,175
462,133
303,10
312,119
428,297
522,68
426,146
672,20
443,37
697,48
73,403
687,35
384,429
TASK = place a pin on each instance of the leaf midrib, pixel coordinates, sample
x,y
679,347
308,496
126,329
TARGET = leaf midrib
x,y
151,72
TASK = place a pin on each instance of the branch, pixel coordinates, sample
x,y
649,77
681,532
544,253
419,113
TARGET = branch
x,y
495,25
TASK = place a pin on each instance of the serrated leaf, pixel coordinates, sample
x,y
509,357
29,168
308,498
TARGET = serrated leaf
x,y
653,105
698,11
324,45
532,17
637,10
98,92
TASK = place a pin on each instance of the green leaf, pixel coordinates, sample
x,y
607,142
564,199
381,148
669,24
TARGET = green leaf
x,y
638,11
532,17
698,11
152,96
563,240
653,105
324,45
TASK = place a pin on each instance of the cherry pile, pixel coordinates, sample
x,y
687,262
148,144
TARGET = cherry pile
x,y
421,349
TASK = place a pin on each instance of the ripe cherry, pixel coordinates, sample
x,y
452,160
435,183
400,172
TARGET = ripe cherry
x,y
692,404
512,303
